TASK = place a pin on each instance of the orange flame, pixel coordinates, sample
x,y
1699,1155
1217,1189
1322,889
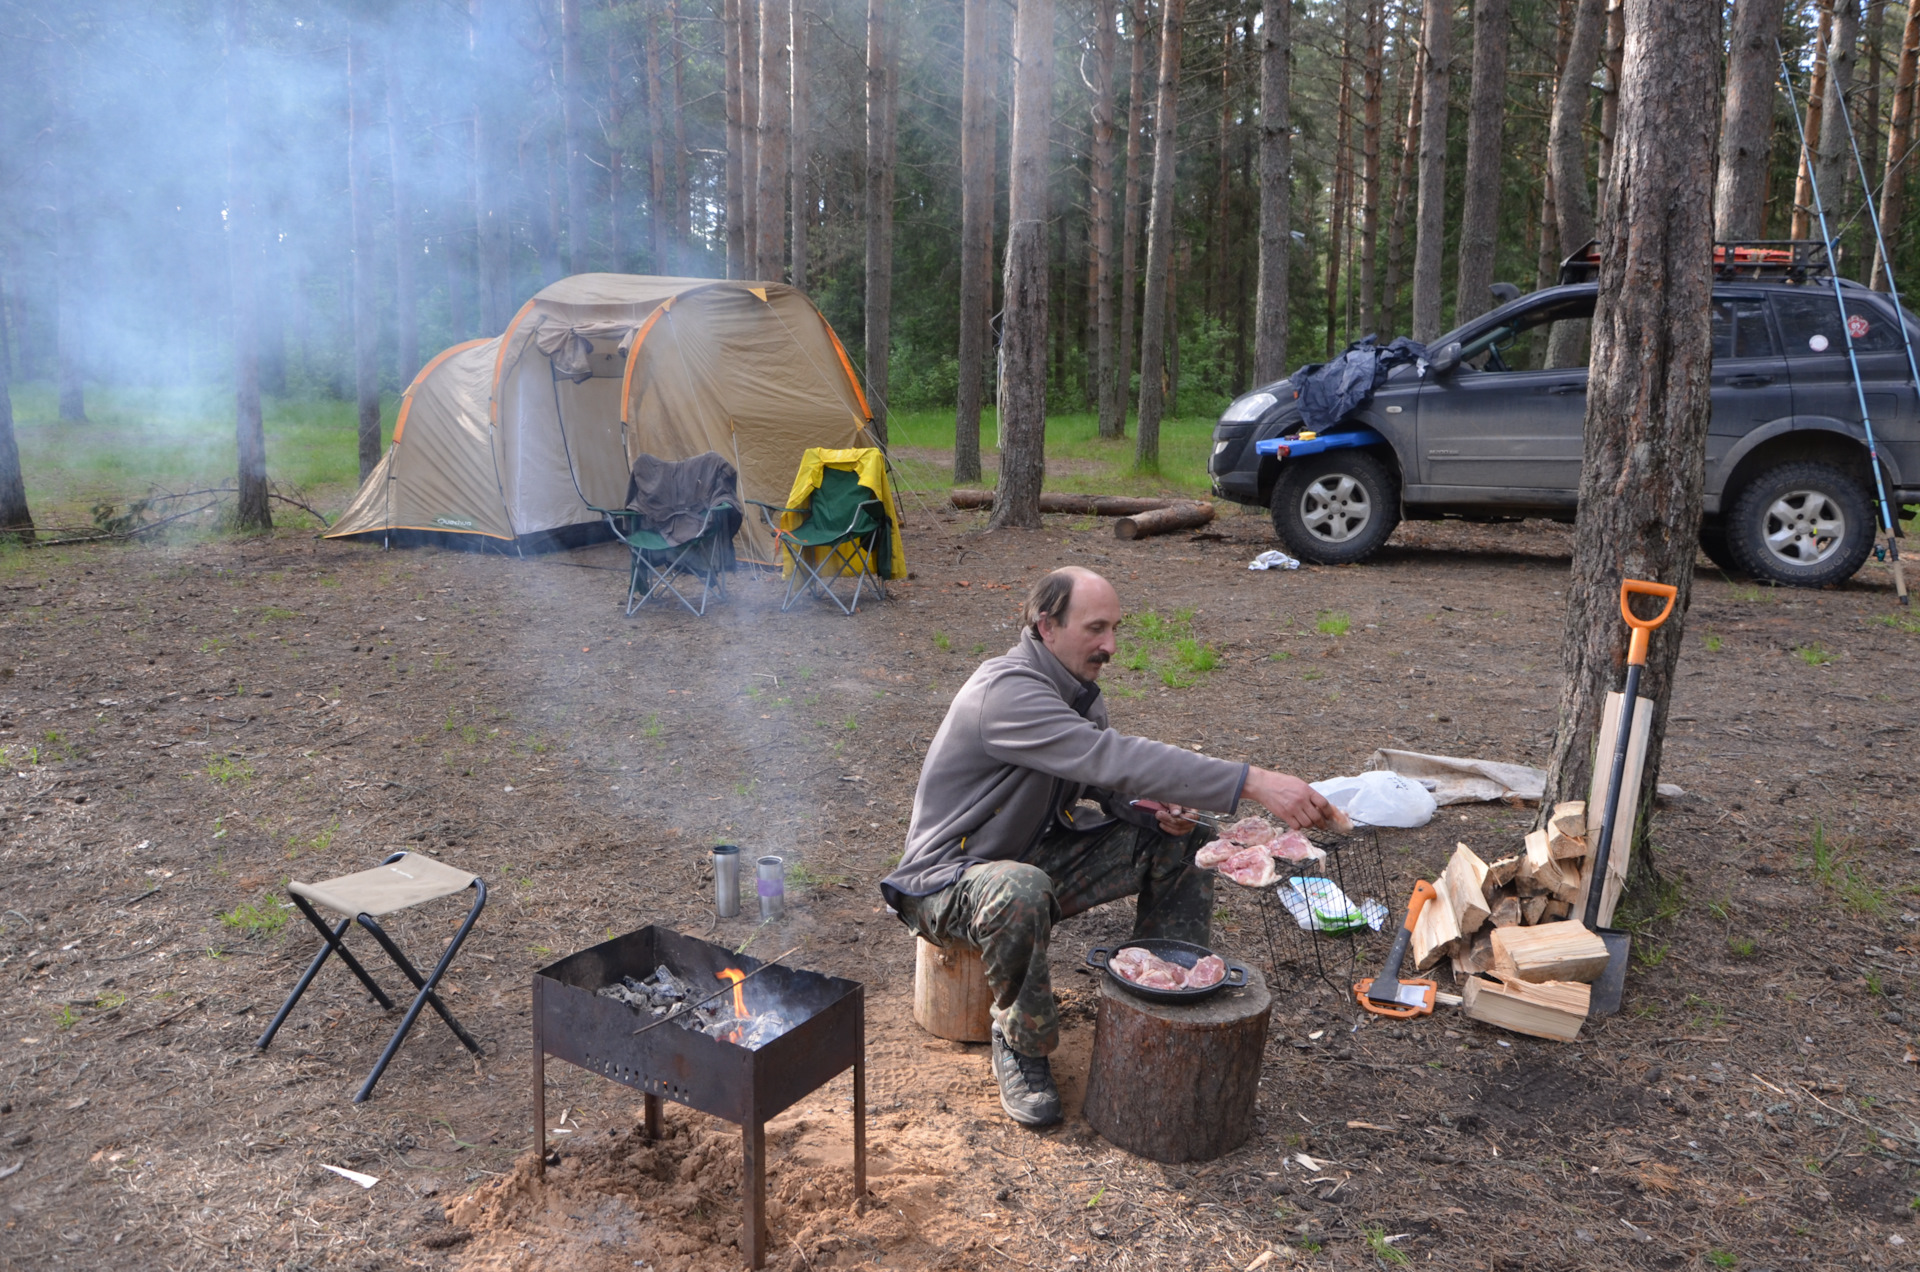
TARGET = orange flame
x,y
735,975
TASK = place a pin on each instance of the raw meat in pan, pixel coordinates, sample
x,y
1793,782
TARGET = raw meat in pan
x,y
1148,970
1210,970
1251,867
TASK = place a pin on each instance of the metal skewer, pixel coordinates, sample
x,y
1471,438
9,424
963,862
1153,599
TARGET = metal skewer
x,y
728,988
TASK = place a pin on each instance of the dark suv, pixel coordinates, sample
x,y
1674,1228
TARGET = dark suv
x,y
1490,429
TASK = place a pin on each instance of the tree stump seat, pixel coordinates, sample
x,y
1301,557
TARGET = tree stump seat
x,y
950,995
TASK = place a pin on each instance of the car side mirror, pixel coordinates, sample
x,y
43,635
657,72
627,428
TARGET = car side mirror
x,y
1446,360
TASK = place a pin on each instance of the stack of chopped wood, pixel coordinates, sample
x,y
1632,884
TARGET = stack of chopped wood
x,y
1522,961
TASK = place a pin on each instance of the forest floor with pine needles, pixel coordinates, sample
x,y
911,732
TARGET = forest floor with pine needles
x,y
186,726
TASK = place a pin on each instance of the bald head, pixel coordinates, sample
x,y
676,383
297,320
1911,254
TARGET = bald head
x,y
1075,613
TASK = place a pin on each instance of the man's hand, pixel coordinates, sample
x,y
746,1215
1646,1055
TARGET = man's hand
x,y
1171,821
1293,801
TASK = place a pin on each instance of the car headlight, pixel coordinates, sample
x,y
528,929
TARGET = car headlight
x,y
1250,407
1220,446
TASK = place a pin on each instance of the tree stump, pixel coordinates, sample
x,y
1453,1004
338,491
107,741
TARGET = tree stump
x,y
1177,1084
950,994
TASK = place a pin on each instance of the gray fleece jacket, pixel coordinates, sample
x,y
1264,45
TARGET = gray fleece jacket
x,y
1024,740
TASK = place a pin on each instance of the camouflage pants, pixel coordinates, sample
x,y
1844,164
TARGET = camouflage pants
x,y
1008,908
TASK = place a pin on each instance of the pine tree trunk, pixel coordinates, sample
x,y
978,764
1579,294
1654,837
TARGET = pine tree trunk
x,y
492,182
883,85
1340,213
551,212
251,512
69,320
1403,184
1155,307
1644,470
615,132
406,248
976,234
1816,109
1107,365
1746,130
1480,218
776,26
1217,253
749,13
1270,310
1867,131
678,192
366,313
1370,90
16,521
1567,156
1130,212
1835,169
738,247
1612,49
573,114
1430,219
801,145
1893,191
1023,341
661,198
458,216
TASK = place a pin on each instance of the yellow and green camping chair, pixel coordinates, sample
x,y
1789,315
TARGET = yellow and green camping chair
x,y
839,522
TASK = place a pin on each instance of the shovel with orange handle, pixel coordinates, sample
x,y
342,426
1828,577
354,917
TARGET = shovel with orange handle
x,y
1388,995
1607,990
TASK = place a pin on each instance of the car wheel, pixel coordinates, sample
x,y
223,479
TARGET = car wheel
x,y
1804,525
1336,507
1713,542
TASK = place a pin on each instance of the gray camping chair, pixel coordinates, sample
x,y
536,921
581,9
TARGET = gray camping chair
x,y
680,519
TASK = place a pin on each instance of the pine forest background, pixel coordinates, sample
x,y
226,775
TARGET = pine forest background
x,y
417,169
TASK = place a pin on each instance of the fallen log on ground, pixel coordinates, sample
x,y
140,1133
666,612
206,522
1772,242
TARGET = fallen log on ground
x,y
1180,516
1079,505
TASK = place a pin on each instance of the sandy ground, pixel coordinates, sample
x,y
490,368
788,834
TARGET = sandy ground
x,y
187,727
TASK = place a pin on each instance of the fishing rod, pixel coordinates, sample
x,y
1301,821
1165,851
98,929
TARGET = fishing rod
x,y
1886,258
1887,521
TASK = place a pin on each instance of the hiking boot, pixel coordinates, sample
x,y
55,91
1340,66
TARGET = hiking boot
x,y
1027,1091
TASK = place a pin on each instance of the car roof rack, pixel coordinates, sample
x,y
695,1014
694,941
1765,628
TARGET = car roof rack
x,y
1792,260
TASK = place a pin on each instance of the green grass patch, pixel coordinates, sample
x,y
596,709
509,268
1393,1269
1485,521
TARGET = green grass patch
x,y
270,915
1378,1246
1714,643
1899,622
1833,871
227,770
801,875
1813,654
1164,647
178,438
1333,623
941,643
921,445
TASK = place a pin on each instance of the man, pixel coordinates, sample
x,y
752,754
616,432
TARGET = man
x,y
1000,848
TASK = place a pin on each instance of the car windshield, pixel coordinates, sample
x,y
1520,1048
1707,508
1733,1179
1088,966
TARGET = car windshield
x,y
1544,337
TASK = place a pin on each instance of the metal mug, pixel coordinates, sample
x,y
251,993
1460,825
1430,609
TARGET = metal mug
x,y
726,880
771,882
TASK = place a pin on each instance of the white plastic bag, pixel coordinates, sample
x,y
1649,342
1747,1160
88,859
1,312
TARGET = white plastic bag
x,y
1380,798
1273,560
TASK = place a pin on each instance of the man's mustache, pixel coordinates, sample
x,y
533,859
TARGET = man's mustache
x,y
1099,657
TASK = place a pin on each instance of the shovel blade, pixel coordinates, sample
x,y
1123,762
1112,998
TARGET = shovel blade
x,y
1608,990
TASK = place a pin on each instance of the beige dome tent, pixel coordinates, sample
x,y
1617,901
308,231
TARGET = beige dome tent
x,y
508,441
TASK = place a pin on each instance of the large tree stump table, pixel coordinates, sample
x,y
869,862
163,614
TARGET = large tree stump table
x,y
1177,1084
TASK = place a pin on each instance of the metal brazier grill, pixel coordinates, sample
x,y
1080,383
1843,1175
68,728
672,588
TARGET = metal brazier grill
x,y
827,1034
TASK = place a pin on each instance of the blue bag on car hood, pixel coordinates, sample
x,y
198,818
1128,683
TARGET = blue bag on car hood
x,y
1329,391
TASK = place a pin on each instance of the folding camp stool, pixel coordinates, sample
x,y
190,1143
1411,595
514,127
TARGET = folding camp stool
x,y
401,881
